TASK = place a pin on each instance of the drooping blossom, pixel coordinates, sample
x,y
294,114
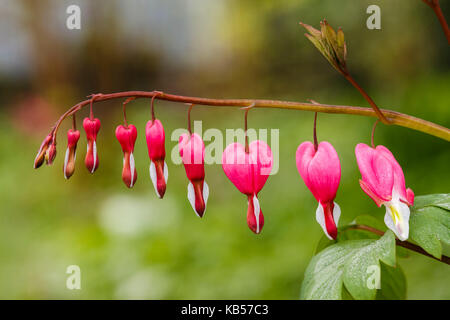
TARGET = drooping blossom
x,y
321,171
71,155
154,134
249,171
192,153
382,180
127,137
91,127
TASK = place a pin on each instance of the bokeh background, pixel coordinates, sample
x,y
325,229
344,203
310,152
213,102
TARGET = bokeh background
x,y
128,243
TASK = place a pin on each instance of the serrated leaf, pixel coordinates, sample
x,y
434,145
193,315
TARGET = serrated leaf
x,y
429,223
347,263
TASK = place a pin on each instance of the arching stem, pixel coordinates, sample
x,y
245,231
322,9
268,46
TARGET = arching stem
x,y
396,118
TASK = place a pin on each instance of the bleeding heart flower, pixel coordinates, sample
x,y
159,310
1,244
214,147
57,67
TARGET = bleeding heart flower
x,y
192,153
92,128
71,155
321,172
154,133
249,171
127,138
384,182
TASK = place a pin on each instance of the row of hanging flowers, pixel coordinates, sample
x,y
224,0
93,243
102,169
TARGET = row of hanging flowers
x,y
248,167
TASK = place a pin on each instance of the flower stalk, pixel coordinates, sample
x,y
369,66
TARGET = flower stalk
x,y
434,4
405,244
396,118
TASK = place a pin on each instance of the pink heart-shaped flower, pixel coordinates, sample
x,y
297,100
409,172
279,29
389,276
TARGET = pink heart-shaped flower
x,y
249,171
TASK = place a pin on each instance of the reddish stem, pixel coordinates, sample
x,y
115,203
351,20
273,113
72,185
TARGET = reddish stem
x,y
74,122
189,118
373,132
434,4
404,244
396,118
377,110
316,144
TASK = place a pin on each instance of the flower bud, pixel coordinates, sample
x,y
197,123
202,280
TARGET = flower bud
x,y
69,161
40,157
155,136
91,127
127,138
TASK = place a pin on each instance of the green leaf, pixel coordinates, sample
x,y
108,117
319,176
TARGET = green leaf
x,y
429,223
348,263
441,200
393,283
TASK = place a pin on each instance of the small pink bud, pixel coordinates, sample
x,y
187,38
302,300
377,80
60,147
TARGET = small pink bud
x,y
50,155
40,157
321,171
127,138
192,152
249,172
154,134
69,161
91,127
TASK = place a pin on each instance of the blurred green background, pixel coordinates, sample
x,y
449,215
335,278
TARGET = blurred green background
x,y
128,243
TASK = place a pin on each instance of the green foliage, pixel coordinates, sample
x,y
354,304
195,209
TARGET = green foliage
x,y
350,263
393,283
429,223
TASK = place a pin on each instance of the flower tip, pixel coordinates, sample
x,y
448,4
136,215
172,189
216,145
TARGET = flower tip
x,y
161,190
410,196
255,217
38,161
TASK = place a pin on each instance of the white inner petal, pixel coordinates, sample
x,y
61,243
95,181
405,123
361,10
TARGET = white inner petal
x,y
166,172
256,210
397,218
66,159
191,197
95,157
132,169
320,217
205,193
336,213
152,170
